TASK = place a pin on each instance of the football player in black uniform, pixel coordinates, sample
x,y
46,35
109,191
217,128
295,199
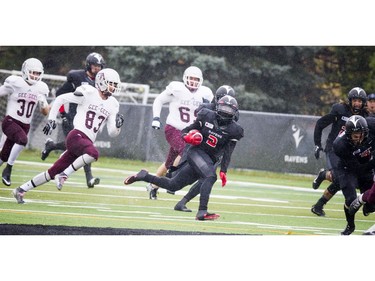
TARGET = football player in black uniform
x,y
195,189
76,78
367,199
354,150
212,133
339,114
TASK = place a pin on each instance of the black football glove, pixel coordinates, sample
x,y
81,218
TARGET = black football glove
x,y
119,120
49,127
156,123
318,149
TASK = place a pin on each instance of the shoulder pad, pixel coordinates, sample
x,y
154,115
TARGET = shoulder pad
x,y
15,81
42,88
85,89
207,93
176,85
73,74
205,111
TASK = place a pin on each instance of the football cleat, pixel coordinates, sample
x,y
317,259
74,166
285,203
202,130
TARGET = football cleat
x,y
205,216
92,182
370,231
48,147
137,177
318,210
60,179
319,179
348,230
19,193
6,175
152,191
181,207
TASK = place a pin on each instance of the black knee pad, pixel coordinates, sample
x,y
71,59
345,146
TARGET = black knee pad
x,y
333,188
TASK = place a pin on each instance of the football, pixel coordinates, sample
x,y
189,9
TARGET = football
x,y
196,136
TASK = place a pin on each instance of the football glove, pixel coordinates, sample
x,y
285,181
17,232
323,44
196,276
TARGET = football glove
x,y
318,149
119,120
194,137
49,127
223,177
156,123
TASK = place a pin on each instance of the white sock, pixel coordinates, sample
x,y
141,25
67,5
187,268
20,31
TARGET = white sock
x,y
16,150
36,181
79,163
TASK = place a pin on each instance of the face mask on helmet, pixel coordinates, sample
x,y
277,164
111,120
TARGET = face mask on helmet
x,y
108,81
226,109
357,93
32,70
193,77
223,91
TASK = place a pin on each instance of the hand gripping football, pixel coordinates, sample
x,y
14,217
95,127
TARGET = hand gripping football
x,y
194,137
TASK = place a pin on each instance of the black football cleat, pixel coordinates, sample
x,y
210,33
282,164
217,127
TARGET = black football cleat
x,y
7,172
349,229
137,177
318,210
92,182
205,216
48,147
319,179
181,207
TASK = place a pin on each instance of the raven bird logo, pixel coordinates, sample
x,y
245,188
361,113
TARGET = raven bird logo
x,y
297,135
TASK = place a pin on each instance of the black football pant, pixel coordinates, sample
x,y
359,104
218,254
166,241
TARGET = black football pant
x,y
198,166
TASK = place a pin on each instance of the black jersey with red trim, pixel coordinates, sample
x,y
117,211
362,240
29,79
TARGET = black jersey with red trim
x,y
216,138
339,114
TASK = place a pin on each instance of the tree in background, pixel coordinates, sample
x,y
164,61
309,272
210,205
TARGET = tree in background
x,y
284,79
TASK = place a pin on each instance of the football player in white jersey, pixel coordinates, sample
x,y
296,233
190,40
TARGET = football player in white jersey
x,y
25,94
183,98
96,107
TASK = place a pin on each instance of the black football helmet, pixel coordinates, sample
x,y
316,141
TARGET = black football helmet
x,y
226,108
371,96
356,124
94,59
223,91
357,93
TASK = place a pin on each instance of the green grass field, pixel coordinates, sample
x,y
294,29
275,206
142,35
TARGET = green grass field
x,y
253,202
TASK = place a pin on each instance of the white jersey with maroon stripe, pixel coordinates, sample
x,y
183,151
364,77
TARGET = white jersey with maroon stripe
x,y
23,98
182,103
93,112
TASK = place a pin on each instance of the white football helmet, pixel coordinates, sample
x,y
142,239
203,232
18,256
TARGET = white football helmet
x,y
32,70
108,81
189,74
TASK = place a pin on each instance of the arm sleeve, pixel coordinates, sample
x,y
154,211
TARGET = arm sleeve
x,y
162,98
322,123
228,150
62,99
5,90
113,131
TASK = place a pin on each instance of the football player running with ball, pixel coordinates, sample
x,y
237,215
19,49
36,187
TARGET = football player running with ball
x,y
217,133
96,108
